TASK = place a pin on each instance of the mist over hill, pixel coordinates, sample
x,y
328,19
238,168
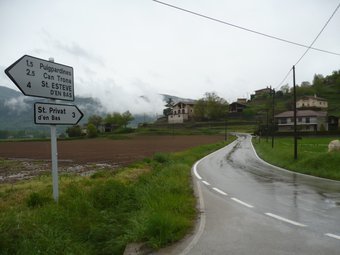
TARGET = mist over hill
x,y
17,110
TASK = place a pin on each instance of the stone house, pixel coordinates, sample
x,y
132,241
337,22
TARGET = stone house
x,y
312,102
182,111
236,107
307,120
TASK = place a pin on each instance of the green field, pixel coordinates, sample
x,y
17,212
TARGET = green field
x,y
151,201
313,156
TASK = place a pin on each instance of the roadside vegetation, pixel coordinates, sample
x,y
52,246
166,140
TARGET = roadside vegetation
x,y
151,201
313,156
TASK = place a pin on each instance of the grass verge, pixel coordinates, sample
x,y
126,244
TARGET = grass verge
x,y
150,201
313,156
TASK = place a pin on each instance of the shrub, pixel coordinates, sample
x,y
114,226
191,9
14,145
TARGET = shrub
x,y
74,131
91,131
161,158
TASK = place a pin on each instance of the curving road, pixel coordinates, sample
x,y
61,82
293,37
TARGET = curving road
x,y
251,207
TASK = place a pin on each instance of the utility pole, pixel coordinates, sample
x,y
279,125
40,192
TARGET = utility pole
x,y
267,128
273,117
225,127
295,128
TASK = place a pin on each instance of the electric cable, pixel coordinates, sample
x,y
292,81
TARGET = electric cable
x,y
310,46
245,29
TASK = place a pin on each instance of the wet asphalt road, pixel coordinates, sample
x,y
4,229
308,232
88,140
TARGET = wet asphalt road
x,y
250,207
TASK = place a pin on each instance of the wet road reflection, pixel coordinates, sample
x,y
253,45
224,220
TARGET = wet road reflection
x,y
239,171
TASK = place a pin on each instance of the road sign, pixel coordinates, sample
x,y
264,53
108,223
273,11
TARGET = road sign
x,y
56,114
41,78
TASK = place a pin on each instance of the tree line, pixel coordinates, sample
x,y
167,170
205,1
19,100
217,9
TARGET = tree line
x,y
97,124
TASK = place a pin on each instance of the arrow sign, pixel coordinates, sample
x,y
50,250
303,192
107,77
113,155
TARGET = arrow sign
x,y
41,78
56,114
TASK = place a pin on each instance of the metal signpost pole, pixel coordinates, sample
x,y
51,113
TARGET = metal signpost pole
x,y
54,155
46,79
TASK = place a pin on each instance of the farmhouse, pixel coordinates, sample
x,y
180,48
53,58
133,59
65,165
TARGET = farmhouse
x,y
307,120
312,102
182,111
236,107
261,92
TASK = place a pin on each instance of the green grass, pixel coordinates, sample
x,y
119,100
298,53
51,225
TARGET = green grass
x,y
313,156
151,201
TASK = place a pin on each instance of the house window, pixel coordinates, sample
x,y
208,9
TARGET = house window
x,y
307,120
183,111
299,119
283,121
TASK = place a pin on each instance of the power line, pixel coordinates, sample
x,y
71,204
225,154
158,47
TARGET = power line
x,y
310,46
284,79
323,28
243,28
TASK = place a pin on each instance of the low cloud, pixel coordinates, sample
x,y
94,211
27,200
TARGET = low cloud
x,y
73,49
136,97
77,51
17,104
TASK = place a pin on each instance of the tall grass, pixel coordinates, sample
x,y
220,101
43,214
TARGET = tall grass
x,y
313,156
151,201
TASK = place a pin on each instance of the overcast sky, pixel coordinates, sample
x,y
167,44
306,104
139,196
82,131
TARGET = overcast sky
x,y
121,49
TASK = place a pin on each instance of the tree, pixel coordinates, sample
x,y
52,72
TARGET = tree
x,y
285,89
305,84
199,110
168,110
117,120
74,131
91,131
96,120
211,107
126,117
318,80
216,106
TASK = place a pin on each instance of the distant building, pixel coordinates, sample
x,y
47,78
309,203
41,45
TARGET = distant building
x,y
307,120
182,111
260,92
236,107
312,102
241,100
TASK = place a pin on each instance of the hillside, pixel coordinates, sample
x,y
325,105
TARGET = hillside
x,y
327,87
16,110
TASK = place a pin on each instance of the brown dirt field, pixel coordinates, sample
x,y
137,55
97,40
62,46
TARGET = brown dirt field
x,y
96,151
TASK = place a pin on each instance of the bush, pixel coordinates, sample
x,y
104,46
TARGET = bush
x,y
74,131
161,158
91,131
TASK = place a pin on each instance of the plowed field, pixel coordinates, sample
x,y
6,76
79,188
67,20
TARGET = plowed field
x,y
96,151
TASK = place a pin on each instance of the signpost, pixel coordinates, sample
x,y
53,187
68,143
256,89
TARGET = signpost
x,y
57,114
40,78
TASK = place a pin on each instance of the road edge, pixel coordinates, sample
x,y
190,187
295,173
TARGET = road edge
x,y
287,170
183,246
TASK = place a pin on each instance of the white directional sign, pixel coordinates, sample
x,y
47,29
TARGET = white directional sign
x,y
41,78
56,114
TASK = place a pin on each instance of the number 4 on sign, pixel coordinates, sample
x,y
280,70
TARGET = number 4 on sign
x,y
29,85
